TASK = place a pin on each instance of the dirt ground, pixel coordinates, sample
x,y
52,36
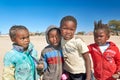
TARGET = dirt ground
x,y
39,43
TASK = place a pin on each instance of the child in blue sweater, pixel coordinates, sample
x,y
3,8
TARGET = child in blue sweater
x,y
19,62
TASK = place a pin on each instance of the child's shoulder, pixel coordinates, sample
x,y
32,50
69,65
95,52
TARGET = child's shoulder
x,y
92,44
79,41
110,42
113,44
78,38
47,49
10,54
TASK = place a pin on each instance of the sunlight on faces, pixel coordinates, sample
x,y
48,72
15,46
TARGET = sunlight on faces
x,y
100,37
22,38
68,30
54,37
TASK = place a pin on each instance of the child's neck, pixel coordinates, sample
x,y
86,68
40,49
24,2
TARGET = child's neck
x,y
105,44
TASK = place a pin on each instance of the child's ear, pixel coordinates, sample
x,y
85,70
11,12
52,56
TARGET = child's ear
x,y
12,39
108,36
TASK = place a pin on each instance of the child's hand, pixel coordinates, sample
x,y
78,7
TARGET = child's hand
x,y
115,76
40,66
118,73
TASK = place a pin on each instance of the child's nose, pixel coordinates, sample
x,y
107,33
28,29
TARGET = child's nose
x,y
27,40
54,38
68,31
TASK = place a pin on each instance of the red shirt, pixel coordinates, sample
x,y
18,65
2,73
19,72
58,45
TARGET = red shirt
x,y
107,63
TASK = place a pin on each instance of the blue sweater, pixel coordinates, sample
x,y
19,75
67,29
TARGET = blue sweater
x,y
20,64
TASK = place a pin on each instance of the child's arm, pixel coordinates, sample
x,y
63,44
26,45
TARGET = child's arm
x,y
117,61
87,65
116,76
8,70
43,60
40,66
8,73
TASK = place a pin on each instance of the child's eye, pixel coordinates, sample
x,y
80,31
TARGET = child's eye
x,y
64,28
23,38
27,37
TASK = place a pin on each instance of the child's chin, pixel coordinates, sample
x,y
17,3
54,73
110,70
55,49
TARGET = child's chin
x,y
68,38
25,47
55,45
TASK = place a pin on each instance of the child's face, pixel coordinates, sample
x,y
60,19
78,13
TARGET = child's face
x,y
22,38
68,30
100,37
54,38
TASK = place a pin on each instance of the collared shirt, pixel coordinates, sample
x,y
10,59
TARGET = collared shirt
x,y
72,51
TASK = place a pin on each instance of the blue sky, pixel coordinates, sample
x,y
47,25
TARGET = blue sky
x,y
37,15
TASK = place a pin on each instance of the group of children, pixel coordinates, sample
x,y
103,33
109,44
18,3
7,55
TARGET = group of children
x,y
65,58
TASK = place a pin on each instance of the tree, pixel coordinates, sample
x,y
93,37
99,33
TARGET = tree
x,y
81,33
115,26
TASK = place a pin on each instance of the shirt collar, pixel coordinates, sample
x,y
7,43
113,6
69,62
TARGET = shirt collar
x,y
21,49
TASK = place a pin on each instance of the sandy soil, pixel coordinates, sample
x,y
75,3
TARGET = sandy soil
x,y
39,43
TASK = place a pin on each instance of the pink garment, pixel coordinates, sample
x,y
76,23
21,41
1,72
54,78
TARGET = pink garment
x,y
64,77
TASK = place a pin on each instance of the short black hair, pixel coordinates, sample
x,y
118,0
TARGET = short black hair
x,y
68,18
98,25
14,29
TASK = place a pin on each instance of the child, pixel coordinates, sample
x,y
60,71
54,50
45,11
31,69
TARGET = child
x,y
19,62
105,54
75,51
51,55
